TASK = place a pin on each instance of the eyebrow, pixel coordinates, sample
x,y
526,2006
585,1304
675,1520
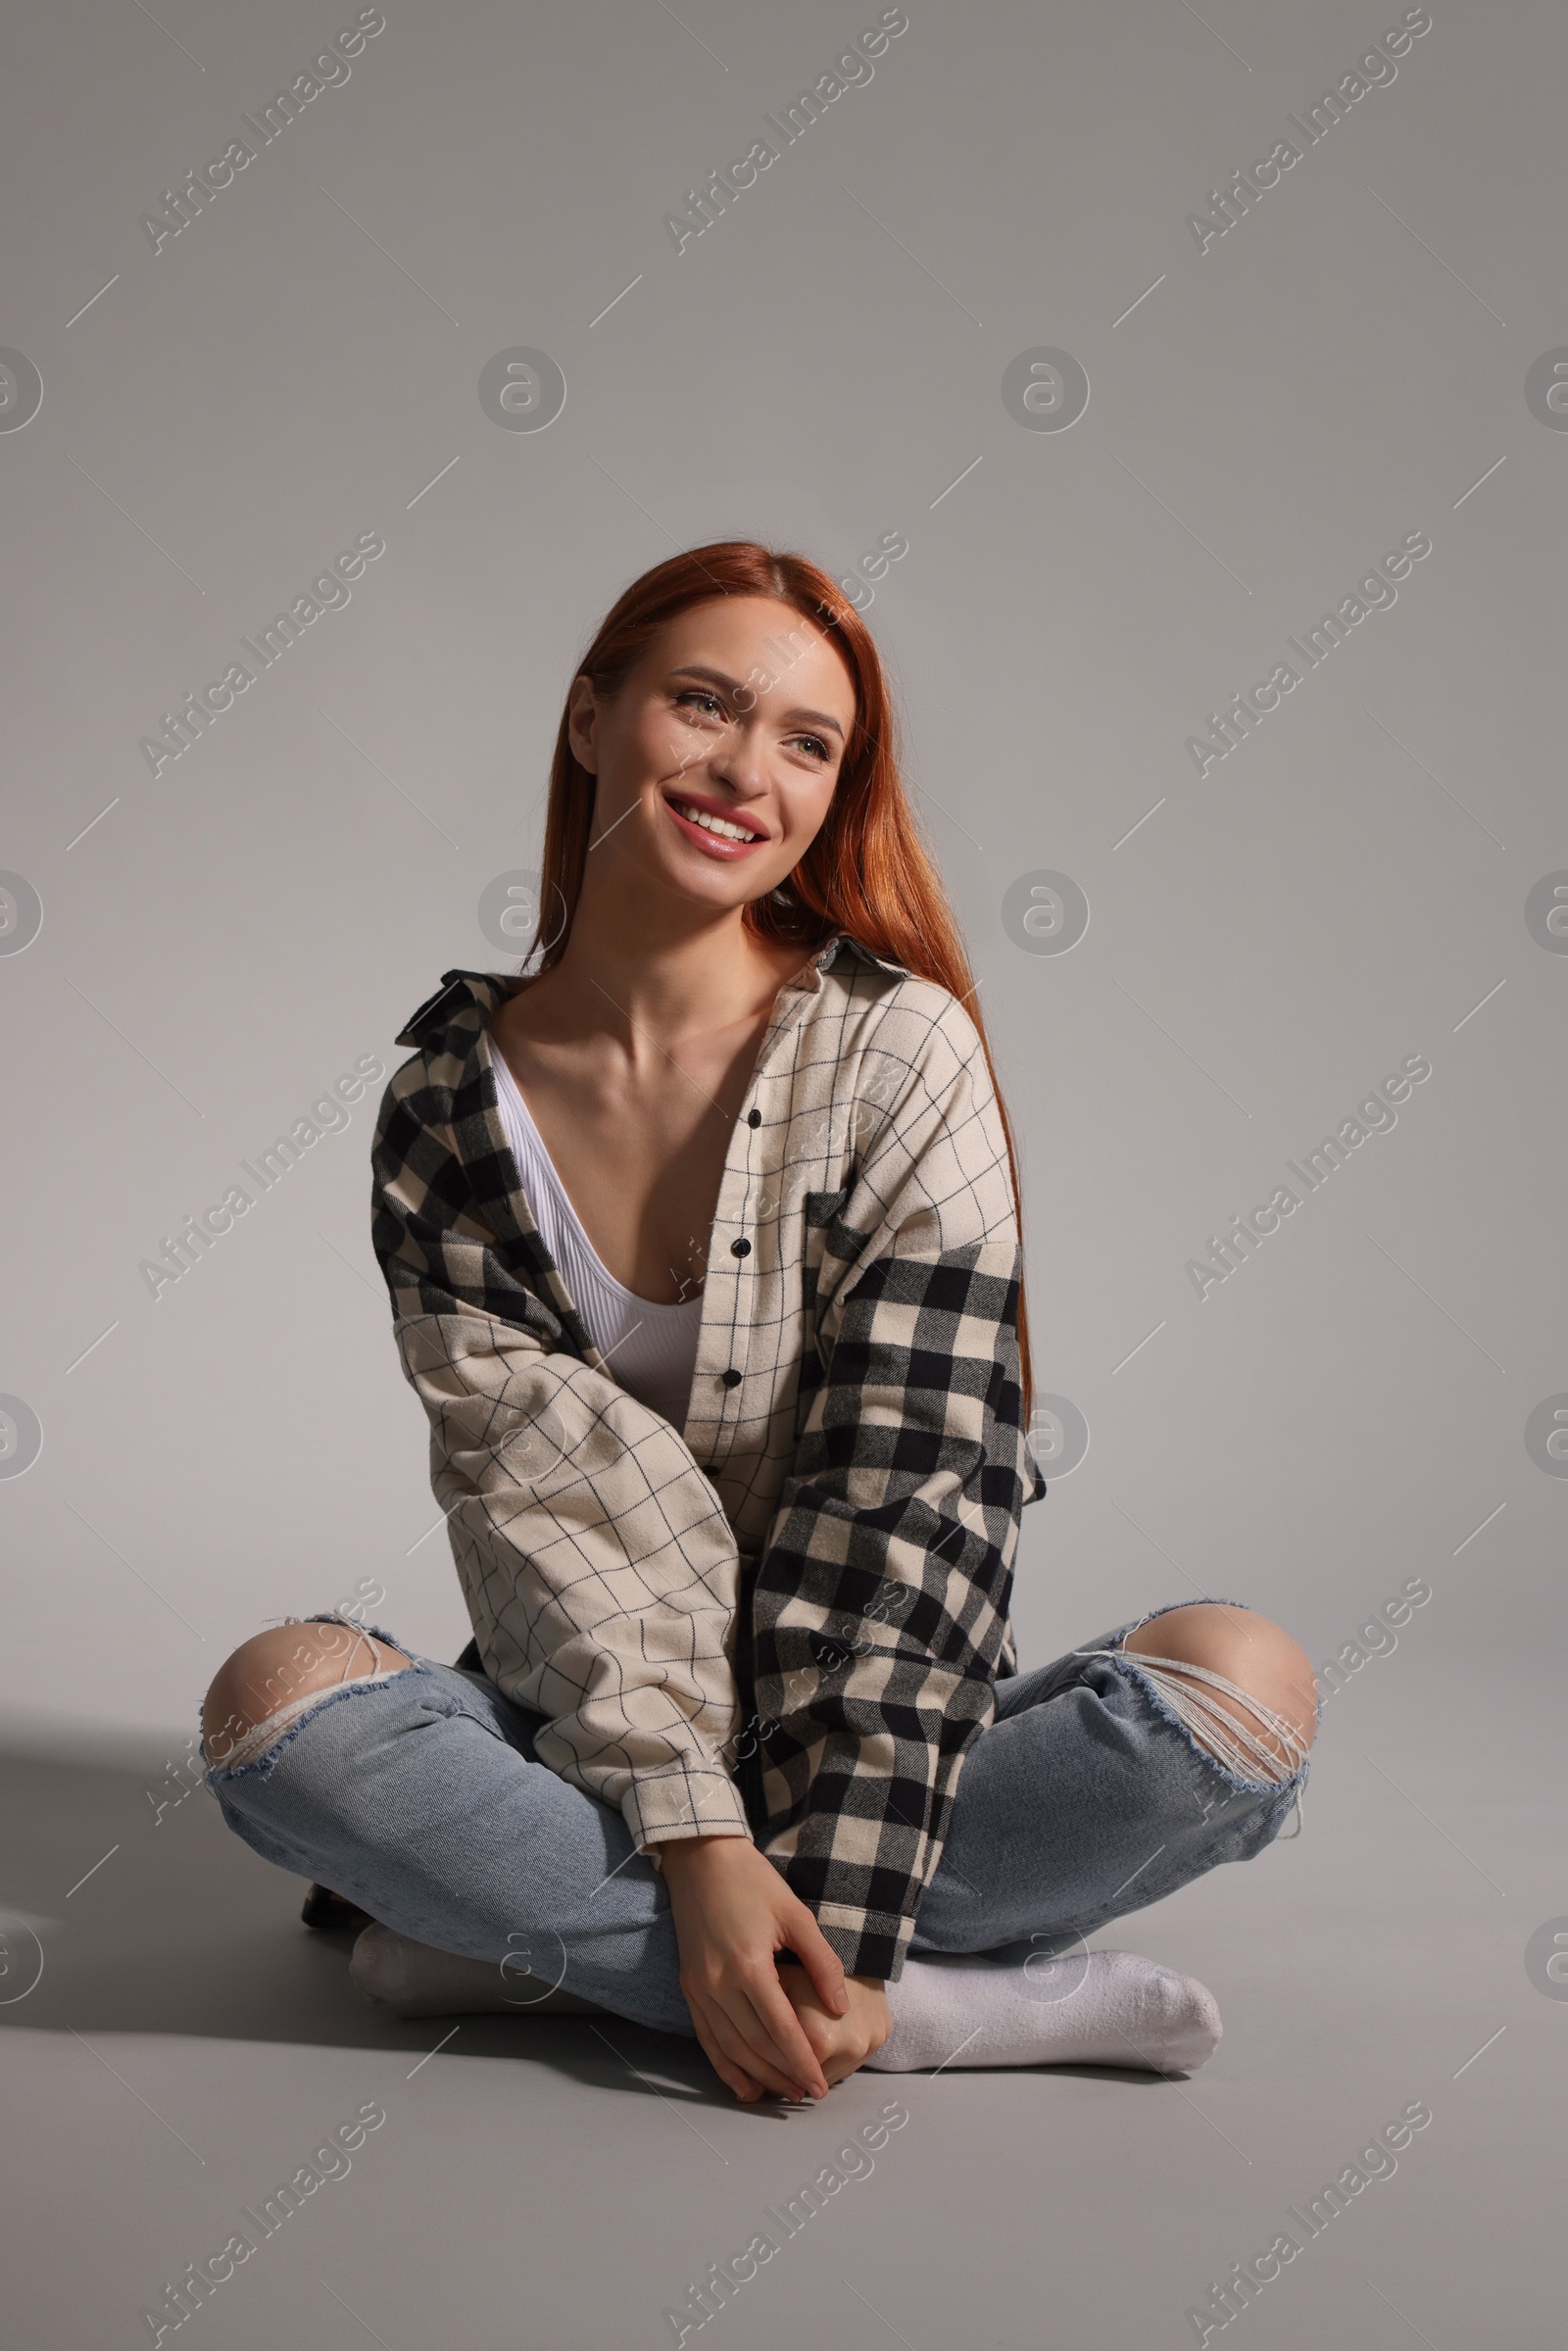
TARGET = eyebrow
x,y
733,685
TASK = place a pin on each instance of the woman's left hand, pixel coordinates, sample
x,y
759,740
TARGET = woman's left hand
x,y
841,2044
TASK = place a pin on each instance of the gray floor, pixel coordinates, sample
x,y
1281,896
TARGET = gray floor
x,y
188,2044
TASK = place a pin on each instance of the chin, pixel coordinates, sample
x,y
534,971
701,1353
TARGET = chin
x,y
720,891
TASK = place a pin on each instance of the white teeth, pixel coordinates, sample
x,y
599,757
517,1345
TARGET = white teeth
x,y
712,825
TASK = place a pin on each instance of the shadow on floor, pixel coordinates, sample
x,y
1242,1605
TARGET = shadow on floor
x,y
162,1922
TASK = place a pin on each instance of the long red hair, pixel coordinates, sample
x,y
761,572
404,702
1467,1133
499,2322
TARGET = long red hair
x,y
869,871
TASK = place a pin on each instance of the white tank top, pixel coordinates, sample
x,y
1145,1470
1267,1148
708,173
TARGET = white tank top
x,y
650,1348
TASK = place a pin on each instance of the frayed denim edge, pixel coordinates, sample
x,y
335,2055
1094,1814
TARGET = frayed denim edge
x,y
329,1616
1283,1789
264,1766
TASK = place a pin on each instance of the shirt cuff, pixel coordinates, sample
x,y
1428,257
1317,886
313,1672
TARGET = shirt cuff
x,y
868,1942
683,1799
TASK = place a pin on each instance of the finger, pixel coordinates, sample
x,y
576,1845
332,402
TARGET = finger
x,y
841,2062
819,1960
794,2072
735,2078
750,2059
746,2051
745,2086
777,2031
772,2022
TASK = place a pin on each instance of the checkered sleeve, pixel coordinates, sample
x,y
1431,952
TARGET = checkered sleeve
x,y
878,1620
598,1568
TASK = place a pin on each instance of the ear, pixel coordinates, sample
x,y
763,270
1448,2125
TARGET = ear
x,y
582,711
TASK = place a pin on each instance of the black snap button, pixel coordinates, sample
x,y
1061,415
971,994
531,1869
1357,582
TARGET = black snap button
x,y
754,1118
740,1249
730,1378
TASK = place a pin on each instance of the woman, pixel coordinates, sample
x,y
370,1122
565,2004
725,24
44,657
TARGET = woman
x,y
703,1247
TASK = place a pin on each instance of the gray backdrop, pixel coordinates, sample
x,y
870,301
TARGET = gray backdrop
x,y
1158,339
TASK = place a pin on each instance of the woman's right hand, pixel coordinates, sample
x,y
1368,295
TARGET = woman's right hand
x,y
733,1913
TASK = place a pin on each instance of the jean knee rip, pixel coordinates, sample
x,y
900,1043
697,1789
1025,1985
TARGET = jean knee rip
x,y
1238,1752
254,1753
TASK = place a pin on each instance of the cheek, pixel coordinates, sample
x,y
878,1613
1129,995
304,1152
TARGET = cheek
x,y
668,748
655,744
805,804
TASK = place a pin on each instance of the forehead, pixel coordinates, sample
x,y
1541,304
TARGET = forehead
x,y
743,634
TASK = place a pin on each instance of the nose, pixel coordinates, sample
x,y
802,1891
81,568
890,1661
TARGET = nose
x,y
739,760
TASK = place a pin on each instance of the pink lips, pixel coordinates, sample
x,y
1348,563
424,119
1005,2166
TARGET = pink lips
x,y
714,843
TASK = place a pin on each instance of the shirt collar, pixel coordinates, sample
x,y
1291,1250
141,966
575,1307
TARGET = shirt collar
x,y
823,960
858,947
463,1000
466,999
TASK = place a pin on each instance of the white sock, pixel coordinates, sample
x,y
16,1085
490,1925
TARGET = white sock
x,y
1085,2008
414,1979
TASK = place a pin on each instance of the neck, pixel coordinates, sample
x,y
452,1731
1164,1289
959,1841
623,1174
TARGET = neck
x,y
638,964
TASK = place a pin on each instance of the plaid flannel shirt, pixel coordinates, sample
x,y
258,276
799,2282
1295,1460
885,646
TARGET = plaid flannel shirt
x,y
825,1553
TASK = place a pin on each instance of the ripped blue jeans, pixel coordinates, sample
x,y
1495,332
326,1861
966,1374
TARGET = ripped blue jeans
x,y
418,1797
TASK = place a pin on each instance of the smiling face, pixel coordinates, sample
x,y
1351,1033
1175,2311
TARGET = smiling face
x,y
717,758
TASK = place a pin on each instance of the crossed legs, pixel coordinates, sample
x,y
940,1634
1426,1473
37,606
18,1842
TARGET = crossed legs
x,y
276,1672
450,1825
